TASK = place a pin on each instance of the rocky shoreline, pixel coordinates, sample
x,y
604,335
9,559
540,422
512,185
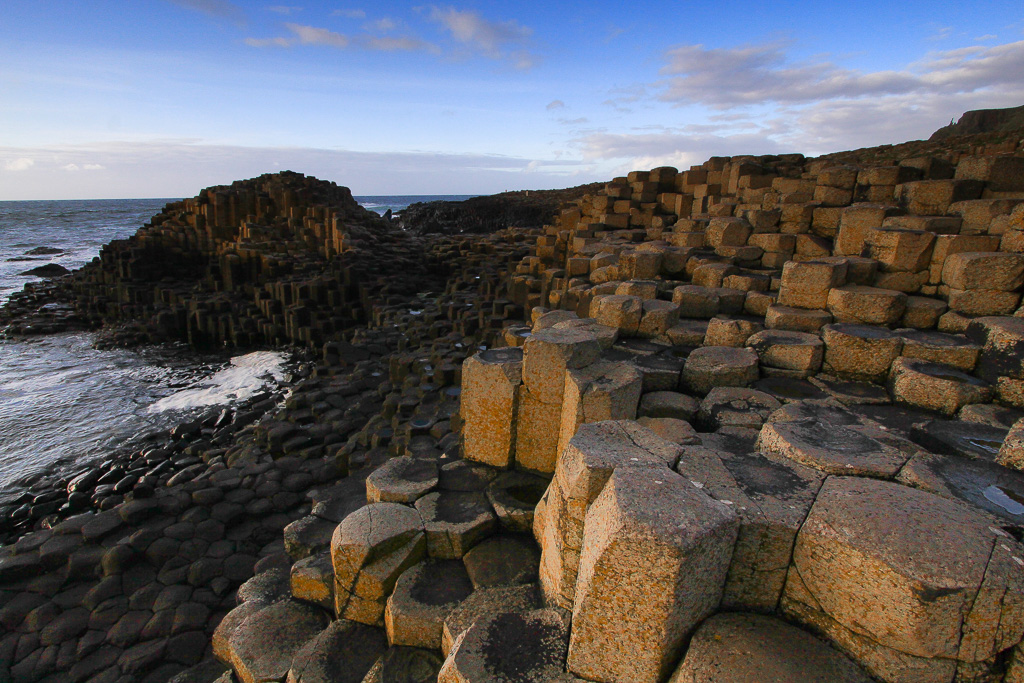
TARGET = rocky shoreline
x,y
614,447
133,563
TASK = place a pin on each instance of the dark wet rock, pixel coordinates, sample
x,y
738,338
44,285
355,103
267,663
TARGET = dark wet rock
x,y
978,481
359,646
786,389
503,560
486,214
262,647
511,646
423,597
405,665
954,437
44,251
48,270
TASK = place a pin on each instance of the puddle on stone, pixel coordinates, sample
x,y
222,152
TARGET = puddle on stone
x,y
1004,499
987,445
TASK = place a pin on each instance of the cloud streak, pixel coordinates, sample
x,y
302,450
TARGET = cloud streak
x,y
18,164
312,35
218,9
498,40
724,78
322,37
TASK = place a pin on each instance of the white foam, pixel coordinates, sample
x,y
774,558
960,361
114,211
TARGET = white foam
x,y
245,377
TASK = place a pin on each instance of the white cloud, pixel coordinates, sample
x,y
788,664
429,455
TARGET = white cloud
x,y
349,13
84,167
382,25
489,38
555,104
219,9
404,44
18,164
760,74
268,42
284,9
311,35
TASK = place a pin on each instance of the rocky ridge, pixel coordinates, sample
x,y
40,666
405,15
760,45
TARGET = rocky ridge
x,y
759,416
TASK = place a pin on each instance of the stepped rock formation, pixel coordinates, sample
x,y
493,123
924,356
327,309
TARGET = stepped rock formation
x,y
759,418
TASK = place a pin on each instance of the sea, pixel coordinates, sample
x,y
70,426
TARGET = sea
x,y
64,403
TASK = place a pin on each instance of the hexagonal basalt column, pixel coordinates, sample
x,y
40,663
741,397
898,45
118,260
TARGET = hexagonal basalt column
x,y
455,521
914,586
370,549
932,386
598,392
752,648
490,405
423,597
831,448
583,469
771,496
860,351
402,480
655,556
789,354
719,366
548,354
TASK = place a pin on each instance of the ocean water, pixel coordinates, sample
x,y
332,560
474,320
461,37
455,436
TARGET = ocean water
x,y
62,402
396,203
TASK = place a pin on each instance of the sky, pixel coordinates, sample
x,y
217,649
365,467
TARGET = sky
x,y
160,98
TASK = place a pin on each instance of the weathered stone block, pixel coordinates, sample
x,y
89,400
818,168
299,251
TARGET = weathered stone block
x,y
806,284
899,249
619,311
870,305
680,541
933,197
984,270
909,571
489,405
860,351
807,320
537,426
711,366
798,351
999,173
547,354
658,317
423,596
731,331
602,391
696,302
932,386
752,648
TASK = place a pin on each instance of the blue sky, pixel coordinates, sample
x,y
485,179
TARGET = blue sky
x,y
146,98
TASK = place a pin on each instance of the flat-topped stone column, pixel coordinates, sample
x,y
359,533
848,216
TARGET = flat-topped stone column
x,y
547,355
656,551
583,469
914,586
490,404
